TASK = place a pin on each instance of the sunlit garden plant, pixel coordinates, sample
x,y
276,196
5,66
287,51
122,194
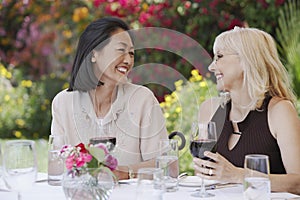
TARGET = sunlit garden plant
x,y
181,109
25,105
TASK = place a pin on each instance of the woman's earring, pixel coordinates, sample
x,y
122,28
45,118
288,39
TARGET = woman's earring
x,y
93,59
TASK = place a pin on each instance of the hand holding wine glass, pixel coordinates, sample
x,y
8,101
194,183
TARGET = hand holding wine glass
x,y
203,138
19,165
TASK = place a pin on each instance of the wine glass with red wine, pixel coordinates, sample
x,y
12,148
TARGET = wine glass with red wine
x,y
105,137
108,141
203,138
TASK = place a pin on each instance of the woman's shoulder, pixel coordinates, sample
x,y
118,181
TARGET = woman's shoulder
x,y
208,108
281,113
279,105
66,96
211,103
137,89
62,95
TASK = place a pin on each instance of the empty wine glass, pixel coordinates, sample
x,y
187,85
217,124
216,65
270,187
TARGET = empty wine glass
x,y
203,138
19,165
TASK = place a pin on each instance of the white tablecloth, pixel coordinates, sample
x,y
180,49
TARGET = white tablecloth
x,y
43,191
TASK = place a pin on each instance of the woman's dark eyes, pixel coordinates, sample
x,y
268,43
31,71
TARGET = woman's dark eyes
x,y
219,56
124,50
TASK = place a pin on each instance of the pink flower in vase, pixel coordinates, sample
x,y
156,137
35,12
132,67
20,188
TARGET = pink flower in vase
x,y
111,162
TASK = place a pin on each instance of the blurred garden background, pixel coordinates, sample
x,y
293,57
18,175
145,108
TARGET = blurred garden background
x,y
38,39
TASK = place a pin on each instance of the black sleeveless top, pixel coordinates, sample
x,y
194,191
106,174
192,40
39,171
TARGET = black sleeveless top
x,y
256,137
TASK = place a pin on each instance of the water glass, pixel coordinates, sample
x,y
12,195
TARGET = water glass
x,y
19,165
168,162
150,184
257,183
55,161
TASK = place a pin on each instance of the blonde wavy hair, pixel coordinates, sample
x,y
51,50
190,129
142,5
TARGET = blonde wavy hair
x,y
263,71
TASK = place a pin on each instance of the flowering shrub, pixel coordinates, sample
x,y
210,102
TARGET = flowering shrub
x,y
25,104
37,35
181,109
80,157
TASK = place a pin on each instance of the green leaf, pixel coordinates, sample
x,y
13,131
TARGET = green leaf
x,y
93,163
97,153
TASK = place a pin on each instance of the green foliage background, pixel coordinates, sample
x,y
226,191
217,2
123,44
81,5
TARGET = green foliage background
x,y
38,40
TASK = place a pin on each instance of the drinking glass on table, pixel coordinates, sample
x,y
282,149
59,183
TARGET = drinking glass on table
x,y
168,162
105,137
55,161
108,141
203,138
19,165
150,185
256,182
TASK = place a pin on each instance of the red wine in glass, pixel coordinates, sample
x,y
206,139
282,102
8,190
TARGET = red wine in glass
x,y
110,142
203,138
198,147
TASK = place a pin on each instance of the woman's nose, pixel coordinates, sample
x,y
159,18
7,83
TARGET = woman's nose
x,y
212,66
128,59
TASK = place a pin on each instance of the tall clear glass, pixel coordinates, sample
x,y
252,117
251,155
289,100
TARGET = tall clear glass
x,y
256,183
150,185
20,165
168,162
55,161
203,138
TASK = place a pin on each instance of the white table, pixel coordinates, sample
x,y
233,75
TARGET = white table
x,y
43,191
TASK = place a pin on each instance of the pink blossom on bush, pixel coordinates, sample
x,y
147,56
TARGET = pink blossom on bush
x,y
97,3
235,22
279,2
144,17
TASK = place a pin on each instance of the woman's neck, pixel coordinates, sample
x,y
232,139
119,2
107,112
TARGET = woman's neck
x,y
102,98
241,104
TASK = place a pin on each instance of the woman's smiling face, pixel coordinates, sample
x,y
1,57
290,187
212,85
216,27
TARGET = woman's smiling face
x,y
227,69
116,59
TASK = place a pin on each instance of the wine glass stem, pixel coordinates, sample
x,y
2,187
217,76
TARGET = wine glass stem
x,y
202,186
19,196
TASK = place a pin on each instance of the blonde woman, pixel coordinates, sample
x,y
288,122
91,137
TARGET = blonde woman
x,y
259,116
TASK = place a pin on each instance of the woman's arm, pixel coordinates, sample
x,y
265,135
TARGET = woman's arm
x,y
285,126
149,117
56,123
130,171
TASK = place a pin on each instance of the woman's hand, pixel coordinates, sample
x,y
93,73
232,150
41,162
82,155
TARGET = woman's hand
x,y
221,169
121,172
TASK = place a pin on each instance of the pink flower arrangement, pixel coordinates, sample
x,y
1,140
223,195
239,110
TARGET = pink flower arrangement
x,y
80,157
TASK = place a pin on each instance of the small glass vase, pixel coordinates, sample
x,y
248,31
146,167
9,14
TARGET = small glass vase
x,y
89,184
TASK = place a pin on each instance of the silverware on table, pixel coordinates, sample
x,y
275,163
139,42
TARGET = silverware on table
x,y
219,186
